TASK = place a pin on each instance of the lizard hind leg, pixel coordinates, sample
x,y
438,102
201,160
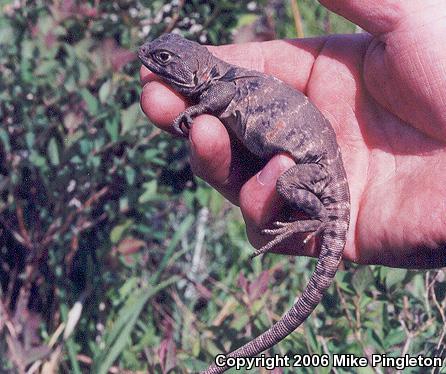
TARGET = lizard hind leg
x,y
298,186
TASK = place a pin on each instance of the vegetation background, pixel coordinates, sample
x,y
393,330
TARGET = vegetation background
x,y
113,257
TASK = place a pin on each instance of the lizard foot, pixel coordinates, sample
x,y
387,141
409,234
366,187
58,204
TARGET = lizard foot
x,y
284,230
182,124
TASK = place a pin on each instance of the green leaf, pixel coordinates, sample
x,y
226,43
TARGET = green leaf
x,y
419,287
46,67
240,322
25,61
216,202
119,336
362,278
394,277
37,159
129,285
112,127
130,175
4,138
179,233
71,346
90,100
149,193
7,33
395,337
53,152
131,118
104,91
118,230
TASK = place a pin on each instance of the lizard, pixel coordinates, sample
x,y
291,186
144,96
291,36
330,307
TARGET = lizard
x,y
268,117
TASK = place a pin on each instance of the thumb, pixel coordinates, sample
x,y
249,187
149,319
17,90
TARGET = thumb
x,y
375,17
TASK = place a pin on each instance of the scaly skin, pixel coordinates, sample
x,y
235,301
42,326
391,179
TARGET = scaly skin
x,y
268,117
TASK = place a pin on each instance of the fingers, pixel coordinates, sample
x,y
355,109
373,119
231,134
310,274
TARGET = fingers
x,y
374,17
161,104
211,154
259,200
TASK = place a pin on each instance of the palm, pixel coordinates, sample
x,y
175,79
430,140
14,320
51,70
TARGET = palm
x,y
397,173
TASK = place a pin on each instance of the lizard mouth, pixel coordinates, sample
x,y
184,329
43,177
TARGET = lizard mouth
x,y
144,57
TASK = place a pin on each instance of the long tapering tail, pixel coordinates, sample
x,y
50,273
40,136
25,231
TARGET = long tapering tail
x,y
332,246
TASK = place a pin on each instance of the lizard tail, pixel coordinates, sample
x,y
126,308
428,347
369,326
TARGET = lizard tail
x,y
332,246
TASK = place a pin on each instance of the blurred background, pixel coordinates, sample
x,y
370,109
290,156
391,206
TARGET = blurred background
x,y
113,257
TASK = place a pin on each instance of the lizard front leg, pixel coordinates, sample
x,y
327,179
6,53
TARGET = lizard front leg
x,y
299,186
183,122
212,101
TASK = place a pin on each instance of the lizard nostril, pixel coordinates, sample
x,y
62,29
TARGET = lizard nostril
x,y
143,51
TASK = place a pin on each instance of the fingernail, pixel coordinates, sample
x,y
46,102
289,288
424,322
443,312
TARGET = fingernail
x,y
268,175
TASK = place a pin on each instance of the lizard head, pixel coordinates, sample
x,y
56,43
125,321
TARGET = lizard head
x,y
181,63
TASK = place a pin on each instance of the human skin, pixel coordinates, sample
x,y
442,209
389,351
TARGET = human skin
x,y
385,95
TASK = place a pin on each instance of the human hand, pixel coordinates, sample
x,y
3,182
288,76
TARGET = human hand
x,y
384,94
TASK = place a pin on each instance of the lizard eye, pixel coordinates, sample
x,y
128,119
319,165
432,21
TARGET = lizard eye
x,y
163,57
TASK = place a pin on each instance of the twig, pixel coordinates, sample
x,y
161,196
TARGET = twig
x,y
442,314
14,233
3,315
354,327
426,294
60,230
197,258
11,285
324,345
297,19
22,227
409,335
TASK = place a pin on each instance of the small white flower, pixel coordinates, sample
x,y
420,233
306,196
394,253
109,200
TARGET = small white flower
x,y
100,326
75,202
166,8
133,12
251,6
158,17
195,28
71,186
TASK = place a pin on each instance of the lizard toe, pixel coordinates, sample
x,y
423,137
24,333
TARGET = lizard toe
x,y
284,230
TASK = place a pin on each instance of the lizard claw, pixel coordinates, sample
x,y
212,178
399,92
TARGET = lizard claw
x,y
284,230
182,124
